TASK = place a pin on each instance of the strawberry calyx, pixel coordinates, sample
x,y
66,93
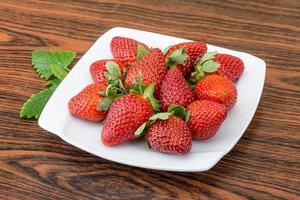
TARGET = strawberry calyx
x,y
166,50
146,92
141,52
173,110
177,57
180,112
204,64
115,87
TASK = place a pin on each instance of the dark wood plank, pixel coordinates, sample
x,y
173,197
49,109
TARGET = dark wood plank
x,y
265,164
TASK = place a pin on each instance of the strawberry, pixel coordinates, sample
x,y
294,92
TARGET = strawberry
x,y
217,88
98,69
127,113
230,66
205,118
127,50
167,132
175,90
84,104
152,68
193,50
223,64
170,136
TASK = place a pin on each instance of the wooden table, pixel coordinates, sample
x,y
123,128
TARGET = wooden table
x,y
35,164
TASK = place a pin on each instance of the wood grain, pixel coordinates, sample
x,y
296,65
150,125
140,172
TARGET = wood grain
x,y
265,164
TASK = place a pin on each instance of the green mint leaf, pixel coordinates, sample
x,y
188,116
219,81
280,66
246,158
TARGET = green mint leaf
x,y
148,93
210,66
58,72
34,106
167,49
52,83
177,57
43,60
141,52
161,116
207,56
141,130
105,103
178,111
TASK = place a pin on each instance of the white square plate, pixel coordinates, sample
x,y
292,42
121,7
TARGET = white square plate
x,y
85,135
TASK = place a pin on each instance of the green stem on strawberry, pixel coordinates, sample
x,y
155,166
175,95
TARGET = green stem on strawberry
x,y
141,52
177,57
115,87
146,92
173,110
179,111
204,64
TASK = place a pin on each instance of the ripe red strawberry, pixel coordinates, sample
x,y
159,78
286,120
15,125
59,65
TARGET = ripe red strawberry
x,y
170,136
98,68
222,64
84,104
175,90
205,118
127,50
152,68
217,88
126,114
192,49
230,66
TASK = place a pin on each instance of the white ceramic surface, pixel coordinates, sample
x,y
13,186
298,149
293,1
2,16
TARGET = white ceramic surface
x,y
56,118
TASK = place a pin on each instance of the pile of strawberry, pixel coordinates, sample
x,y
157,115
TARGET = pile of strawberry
x,y
168,97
